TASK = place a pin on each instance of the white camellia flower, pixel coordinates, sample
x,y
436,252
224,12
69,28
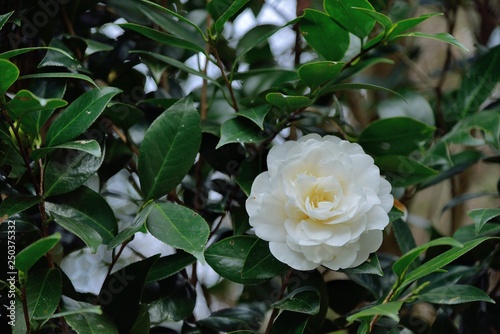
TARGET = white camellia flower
x,y
321,202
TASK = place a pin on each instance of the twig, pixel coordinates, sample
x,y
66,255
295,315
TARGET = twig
x,y
228,84
275,311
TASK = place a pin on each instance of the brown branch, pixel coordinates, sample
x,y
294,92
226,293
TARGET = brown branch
x,y
228,84
274,313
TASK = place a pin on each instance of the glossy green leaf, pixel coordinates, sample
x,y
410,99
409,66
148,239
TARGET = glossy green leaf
x,y
16,203
403,235
443,37
302,300
288,102
238,130
142,323
84,207
123,115
59,75
403,25
169,149
402,264
69,169
357,86
324,35
232,319
121,293
25,102
168,265
26,258
88,146
395,135
370,266
455,294
390,309
4,18
290,322
256,114
384,20
223,10
440,261
317,73
43,292
133,228
481,217
402,171
260,263
10,73
60,59
179,227
163,38
85,322
227,257
351,19
79,115
486,121
16,52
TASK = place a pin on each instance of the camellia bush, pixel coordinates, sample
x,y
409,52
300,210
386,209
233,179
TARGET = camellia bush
x,y
249,167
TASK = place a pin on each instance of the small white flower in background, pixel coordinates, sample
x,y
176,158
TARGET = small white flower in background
x,y
321,202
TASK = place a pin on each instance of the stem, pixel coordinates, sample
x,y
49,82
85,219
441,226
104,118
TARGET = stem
x,y
204,87
274,314
116,257
228,84
386,300
25,309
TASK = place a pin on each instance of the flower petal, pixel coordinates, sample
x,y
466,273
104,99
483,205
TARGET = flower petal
x,y
294,259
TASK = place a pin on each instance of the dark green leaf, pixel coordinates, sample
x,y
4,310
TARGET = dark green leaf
x,y
10,73
168,265
12,53
25,102
390,309
26,258
402,171
260,263
121,293
403,25
79,115
356,86
395,135
238,130
130,230
302,300
67,170
443,37
17,203
87,323
142,323
455,294
60,59
223,10
164,38
84,207
60,75
317,73
370,266
486,121
384,20
403,235
88,146
89,235
324,35
227,257
169,149
351,19
256,115
43,292
179,227
123,115
232,319
290,323
4,18
287,102
481,217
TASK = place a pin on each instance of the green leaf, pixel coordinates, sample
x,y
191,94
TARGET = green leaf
x,y
403,235
290,323
59,75
455,294
135,227
169,149
4,18
12,53
395,135
370,266
260,263
121,293
302,300
84,322
256,114
80,114
179,227
390,309
67,170
443,37
10,73
123,115
402,171
357,86
60,59
142,323
384,20
324,35
403,25
486,121
163,38
168,265
25,102
287,102
43,292
238,130
402,264
351,19
16,203
232,319
84,207
317,73
26,258
480,217
440,261
227,257
228,7
88,146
